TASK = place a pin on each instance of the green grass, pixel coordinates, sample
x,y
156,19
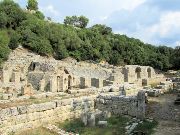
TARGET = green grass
x,y
147,127
116,126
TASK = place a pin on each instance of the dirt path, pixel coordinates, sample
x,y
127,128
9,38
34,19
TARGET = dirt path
x,y
166,113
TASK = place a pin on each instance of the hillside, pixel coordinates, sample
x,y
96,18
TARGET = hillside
x,y
30,29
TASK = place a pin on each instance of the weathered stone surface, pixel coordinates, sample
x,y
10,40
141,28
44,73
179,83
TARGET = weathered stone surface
x,y
31,116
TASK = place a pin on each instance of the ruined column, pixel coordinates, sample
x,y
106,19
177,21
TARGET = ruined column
x,y
42,85
5,76
141,105
88,82
82,82
100,83
53,84
16,77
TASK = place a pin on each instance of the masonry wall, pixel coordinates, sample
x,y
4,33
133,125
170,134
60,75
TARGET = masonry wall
x,y
118,105
31,116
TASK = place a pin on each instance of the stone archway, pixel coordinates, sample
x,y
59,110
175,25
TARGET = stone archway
x,y
138,72
149,72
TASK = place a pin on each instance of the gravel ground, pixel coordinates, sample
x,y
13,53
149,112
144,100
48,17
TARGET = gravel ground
x,y
163,110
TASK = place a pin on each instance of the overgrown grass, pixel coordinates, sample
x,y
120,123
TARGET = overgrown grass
x,y
147,127
116,126
38,131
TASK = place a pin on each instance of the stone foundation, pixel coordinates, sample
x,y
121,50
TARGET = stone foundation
x,y
31,116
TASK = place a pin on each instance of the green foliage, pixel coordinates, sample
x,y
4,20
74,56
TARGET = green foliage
x,y
147,127
116,126
12,14
72,38
75,21
176,58
4,49
14,40
39,15
32,5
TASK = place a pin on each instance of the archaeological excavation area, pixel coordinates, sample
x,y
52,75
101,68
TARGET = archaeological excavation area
x,y
39,92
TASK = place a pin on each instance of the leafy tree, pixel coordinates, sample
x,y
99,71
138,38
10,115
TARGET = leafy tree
x,y
4,50
176,58
83,21
75,21
12,14
103,29
39,15
3,20
14,40
32,5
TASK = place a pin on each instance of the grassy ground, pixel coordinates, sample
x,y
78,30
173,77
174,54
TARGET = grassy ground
x,y
146,127
116,126
38,131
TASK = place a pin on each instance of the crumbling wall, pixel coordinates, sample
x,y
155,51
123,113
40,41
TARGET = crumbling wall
x,y
118,105
31,116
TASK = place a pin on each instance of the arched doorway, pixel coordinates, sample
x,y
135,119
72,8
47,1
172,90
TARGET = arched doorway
x,y
126,72
149,72
58,84
138,72
69,82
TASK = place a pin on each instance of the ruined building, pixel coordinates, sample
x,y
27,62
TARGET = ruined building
x,y
26,73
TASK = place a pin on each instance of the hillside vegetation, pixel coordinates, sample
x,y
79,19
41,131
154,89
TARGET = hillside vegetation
x,y
30,29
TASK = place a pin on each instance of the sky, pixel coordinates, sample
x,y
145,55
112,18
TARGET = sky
x,y
152,21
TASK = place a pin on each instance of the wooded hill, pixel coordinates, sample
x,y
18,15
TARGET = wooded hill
x,y
32,30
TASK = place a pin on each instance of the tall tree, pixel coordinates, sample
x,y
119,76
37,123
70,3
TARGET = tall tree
x,y
83,21
32,5
75,21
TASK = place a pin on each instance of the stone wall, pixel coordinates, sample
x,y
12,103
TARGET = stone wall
x,y
126,105
30,116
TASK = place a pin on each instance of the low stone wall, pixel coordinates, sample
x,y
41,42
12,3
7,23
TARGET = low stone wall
x,y
126,105
156,80
31,116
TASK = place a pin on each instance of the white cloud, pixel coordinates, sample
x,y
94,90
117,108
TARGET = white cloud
x,y
168,23
50,9
177,43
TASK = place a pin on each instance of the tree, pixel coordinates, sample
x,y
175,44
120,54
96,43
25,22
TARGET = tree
x,y
39,15
4,41
75,21
14,40
11,14
83,21
103,29
176,58
32,5
3,20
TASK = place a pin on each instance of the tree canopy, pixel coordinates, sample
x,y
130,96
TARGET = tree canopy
x,y
75,21
32,5
98,42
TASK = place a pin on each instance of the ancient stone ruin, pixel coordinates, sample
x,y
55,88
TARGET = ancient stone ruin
x,y
72,89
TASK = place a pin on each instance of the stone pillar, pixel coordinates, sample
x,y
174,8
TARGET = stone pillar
x,y
100,83
16,77
60,84
82,82
88,82
53,84
5,76
42,85
122,91
141,105
91,120
28,90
